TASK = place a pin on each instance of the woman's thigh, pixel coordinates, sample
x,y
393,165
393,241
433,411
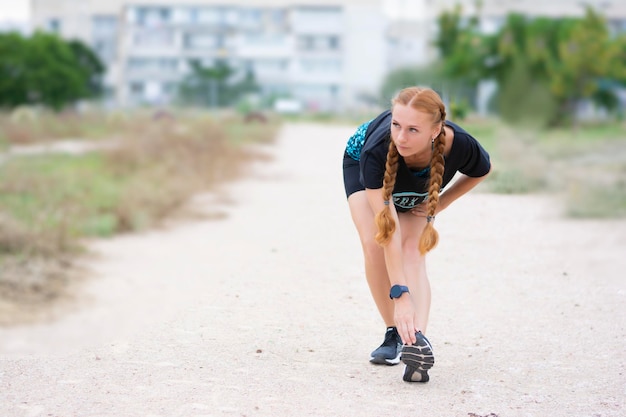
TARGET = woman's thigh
x,y
412,227
362,216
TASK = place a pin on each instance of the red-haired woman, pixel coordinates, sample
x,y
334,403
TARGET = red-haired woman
x,y
396,169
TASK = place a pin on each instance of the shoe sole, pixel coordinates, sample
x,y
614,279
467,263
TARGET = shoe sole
x,y
379,360
418,356
409,374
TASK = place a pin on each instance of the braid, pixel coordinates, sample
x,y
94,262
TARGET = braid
x,y
385,223
430,237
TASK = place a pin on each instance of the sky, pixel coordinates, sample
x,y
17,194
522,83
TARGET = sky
x,y
14,10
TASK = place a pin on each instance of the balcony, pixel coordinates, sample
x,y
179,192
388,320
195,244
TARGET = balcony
x,y
318,20
260,44
138,68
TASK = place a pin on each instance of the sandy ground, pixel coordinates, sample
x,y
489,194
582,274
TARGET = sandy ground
x,y
266,312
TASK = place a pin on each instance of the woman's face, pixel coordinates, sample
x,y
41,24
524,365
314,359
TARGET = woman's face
x,y
412,130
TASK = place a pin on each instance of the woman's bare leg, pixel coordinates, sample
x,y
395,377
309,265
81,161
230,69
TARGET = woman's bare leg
x,y
375,268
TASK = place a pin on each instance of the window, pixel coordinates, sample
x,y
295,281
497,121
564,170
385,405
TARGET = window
x,y
104,26
251,17
104,36
153,37
153,16
320,65
318,43
306,43
265,39
278,17
136,88
54,25
208,15
152,65
201,41
334,42
106,50
270,65
319,12
326,19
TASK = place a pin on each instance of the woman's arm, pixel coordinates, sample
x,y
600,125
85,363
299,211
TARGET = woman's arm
x,y
459,188
393,251
404,310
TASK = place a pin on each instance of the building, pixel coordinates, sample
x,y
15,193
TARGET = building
x,y
324,53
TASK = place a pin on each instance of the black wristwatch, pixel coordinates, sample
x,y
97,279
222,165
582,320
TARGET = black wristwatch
x,y
397,291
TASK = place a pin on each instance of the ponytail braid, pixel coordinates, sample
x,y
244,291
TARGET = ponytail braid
x,y
430,236
385,223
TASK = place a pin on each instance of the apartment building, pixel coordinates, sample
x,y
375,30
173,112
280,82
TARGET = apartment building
x,y
327,54
324,53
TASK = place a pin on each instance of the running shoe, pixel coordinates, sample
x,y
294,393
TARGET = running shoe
x,y
418,359
389,352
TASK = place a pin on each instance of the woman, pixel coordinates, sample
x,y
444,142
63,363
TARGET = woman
x,y
395,168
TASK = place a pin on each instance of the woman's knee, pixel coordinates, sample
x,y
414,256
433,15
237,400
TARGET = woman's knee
x,y
410,250
372,251
409,245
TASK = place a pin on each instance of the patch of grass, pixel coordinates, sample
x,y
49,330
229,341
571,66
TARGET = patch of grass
x,y
50,202
27,125
593,201
46,191
586,164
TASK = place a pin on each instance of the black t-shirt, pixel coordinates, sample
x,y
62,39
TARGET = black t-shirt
x,y
466,156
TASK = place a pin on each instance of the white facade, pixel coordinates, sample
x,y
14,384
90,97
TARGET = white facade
x,y
323,53
328,54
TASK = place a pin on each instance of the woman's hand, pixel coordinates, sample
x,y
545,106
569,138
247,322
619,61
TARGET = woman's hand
x,y
405,317
421,210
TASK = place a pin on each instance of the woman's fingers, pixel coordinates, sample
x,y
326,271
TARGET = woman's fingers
x,y
407,332
418,212
405,320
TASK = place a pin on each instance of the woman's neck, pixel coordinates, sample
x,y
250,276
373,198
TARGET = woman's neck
x,y
418,161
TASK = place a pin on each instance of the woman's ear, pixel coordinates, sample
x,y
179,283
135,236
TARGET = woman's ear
x,y
437,131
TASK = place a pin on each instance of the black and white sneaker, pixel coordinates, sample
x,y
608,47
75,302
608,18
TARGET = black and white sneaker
x,y
418,359
389,352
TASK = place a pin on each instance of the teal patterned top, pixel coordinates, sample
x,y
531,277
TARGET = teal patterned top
x,y
356,141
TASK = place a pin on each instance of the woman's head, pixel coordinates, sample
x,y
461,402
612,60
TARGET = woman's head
x,y
419,107
417,131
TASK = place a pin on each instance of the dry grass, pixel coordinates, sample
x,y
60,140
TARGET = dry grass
x,y
50,203
584,166
27,125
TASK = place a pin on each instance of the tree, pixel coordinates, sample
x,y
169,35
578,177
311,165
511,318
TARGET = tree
x,y
215,86
464,55
13,88
44,69
546,66
583,59
90,66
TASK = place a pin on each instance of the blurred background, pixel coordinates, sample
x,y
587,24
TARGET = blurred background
x,y
329,55
102,99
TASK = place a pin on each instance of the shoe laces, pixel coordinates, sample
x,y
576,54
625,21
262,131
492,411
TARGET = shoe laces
x,y
391,338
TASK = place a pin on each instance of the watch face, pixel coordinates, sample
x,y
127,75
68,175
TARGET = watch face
x,y
398,290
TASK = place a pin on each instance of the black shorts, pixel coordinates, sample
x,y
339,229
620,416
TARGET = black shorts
x,y
351,176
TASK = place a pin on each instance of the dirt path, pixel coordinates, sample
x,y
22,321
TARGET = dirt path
x,y
266,312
